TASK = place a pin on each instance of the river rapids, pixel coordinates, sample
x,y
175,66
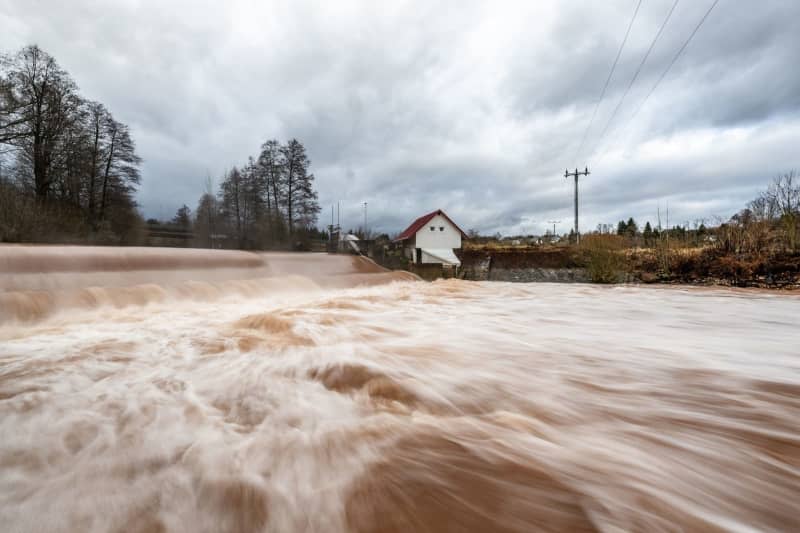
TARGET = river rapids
x,y
154,390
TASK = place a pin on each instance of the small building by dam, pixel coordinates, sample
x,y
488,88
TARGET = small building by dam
x,y
432,239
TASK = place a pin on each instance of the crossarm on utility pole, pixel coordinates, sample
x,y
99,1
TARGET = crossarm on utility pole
x,y
575,174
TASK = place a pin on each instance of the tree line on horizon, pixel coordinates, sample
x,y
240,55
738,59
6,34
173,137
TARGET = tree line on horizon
x,y
650,234
68,168
768,223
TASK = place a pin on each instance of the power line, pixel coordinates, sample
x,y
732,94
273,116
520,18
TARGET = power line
x,y
663,74
635,75
608,80
671,63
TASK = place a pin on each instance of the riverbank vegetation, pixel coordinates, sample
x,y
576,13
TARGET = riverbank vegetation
x,y
68,168
758,246
69,172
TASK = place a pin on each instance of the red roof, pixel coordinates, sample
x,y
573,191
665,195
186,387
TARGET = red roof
x,y
421,221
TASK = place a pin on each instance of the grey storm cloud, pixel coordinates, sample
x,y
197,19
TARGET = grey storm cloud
x,y
473,107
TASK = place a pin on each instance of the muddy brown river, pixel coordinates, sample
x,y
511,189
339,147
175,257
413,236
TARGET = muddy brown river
x,y
207,391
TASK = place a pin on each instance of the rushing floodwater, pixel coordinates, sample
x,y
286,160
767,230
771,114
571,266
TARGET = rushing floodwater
x,y
173,392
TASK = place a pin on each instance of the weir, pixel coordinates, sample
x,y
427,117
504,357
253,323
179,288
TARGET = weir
x,y
36,281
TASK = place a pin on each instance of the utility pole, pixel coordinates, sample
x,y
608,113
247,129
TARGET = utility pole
x,y
554,222
331,242
365,220
575,174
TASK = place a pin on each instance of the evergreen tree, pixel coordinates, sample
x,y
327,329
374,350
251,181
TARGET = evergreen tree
x,y
630,228
621,227
183,218
647,234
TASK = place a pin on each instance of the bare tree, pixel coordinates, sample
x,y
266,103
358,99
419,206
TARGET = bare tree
x,y
784,195
271,166
121,173
68,153
11,117
300,197
206,216
44,97
240,199
97,119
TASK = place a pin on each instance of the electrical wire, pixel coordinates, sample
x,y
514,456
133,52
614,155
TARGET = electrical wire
x,y
635,75
608,80
671,63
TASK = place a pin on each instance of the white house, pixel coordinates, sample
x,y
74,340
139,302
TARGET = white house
x,y
431,239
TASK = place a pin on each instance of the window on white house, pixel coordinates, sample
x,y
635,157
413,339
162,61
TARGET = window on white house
x,y
433,228
441,228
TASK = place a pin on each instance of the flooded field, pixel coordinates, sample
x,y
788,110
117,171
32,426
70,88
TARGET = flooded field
x,y
196,391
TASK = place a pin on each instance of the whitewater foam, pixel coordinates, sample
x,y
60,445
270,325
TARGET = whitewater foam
x,y
330,395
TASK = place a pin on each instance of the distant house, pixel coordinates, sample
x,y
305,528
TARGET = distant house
x,y
431,239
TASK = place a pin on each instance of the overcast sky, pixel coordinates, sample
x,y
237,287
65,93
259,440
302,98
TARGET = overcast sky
x,y
472,107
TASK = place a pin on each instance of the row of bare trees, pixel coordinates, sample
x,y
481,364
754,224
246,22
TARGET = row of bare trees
x,y
63,155
769,223
269,202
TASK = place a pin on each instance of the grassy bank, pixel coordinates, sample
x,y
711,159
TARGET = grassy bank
x,y
608,259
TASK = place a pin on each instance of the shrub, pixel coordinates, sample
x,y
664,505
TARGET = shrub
x,y
604,260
